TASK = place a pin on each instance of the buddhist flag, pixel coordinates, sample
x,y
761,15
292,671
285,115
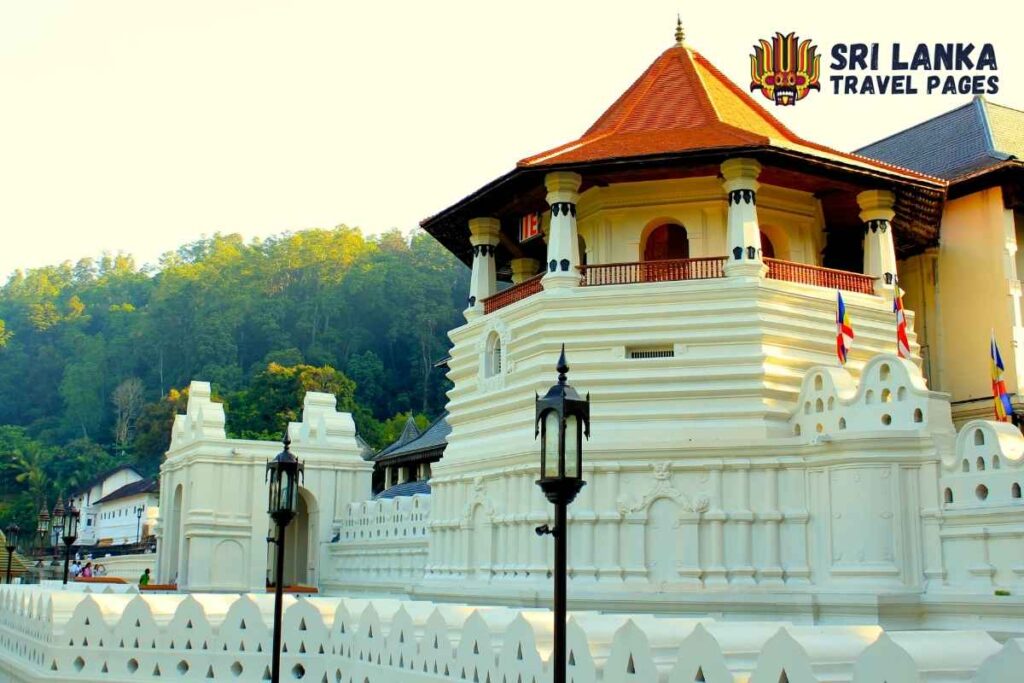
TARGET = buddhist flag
x,y
529,226
844,331
999,393
902,341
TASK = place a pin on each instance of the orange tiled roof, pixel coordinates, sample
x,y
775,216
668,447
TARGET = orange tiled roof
x,y
682,103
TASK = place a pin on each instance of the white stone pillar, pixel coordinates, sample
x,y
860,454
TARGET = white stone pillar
x,y
483,235
876,210
563,257
743,236
524,269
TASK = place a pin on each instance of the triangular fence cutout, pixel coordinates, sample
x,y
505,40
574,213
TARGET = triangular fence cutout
x,y
630,666
156,670
104,670
699,678
572,658
266,673
209,672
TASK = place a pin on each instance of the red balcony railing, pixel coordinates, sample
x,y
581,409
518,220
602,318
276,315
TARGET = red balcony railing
x,y
653,271
819,277
513,294
706,268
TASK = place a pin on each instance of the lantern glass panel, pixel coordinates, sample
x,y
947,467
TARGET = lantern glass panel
x,y
275,485
288,490
58,518
72,525
550,445
572,440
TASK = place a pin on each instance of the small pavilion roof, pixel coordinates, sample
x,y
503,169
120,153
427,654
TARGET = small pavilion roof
x,y
429,445
409,432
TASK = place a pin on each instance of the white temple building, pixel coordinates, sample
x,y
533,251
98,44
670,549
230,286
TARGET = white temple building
x,y
688,255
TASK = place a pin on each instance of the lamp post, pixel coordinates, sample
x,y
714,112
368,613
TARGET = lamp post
x,y
11,532
283,474
139,509
562,420
65,519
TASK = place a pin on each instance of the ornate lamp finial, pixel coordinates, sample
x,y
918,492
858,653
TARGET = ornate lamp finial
x,y
680,33
562,367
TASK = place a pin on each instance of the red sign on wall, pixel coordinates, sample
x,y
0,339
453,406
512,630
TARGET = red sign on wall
x,y
529,226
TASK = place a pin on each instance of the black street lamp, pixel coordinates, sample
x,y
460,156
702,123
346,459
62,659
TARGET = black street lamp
x,y
11,532
139,509
284,473
65,520
562,420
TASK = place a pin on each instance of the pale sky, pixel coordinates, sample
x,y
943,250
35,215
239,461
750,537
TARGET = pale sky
x,y
138,125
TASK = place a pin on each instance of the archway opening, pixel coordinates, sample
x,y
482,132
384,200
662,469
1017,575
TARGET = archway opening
x,y
297,555
665,242
173,536
767,248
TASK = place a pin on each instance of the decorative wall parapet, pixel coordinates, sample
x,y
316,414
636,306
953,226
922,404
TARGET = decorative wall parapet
x,y
78,636
203,419
380,543
892,395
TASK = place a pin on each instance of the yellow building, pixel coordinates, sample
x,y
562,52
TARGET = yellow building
x,y
966,285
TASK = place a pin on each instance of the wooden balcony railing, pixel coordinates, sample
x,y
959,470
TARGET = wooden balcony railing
x,y
819,277
652,271
513,294
706,268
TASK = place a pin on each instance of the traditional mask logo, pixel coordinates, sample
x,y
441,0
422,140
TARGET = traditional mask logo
x,y
785,70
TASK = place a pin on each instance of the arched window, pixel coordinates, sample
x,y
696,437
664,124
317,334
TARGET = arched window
x,y
668,241
1015,490
980,464
492,359
949,496
767,248
583,249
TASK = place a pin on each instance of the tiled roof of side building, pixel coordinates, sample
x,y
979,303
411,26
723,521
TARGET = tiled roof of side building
x,y
433,438
409,432
409,488
99,478
133,489
960,142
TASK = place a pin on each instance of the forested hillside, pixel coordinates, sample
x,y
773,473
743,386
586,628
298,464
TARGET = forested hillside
x,y
95,357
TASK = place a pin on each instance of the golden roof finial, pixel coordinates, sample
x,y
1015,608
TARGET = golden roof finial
x,y
680,33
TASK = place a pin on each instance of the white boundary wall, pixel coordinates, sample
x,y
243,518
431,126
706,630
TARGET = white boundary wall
x,y
78,636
